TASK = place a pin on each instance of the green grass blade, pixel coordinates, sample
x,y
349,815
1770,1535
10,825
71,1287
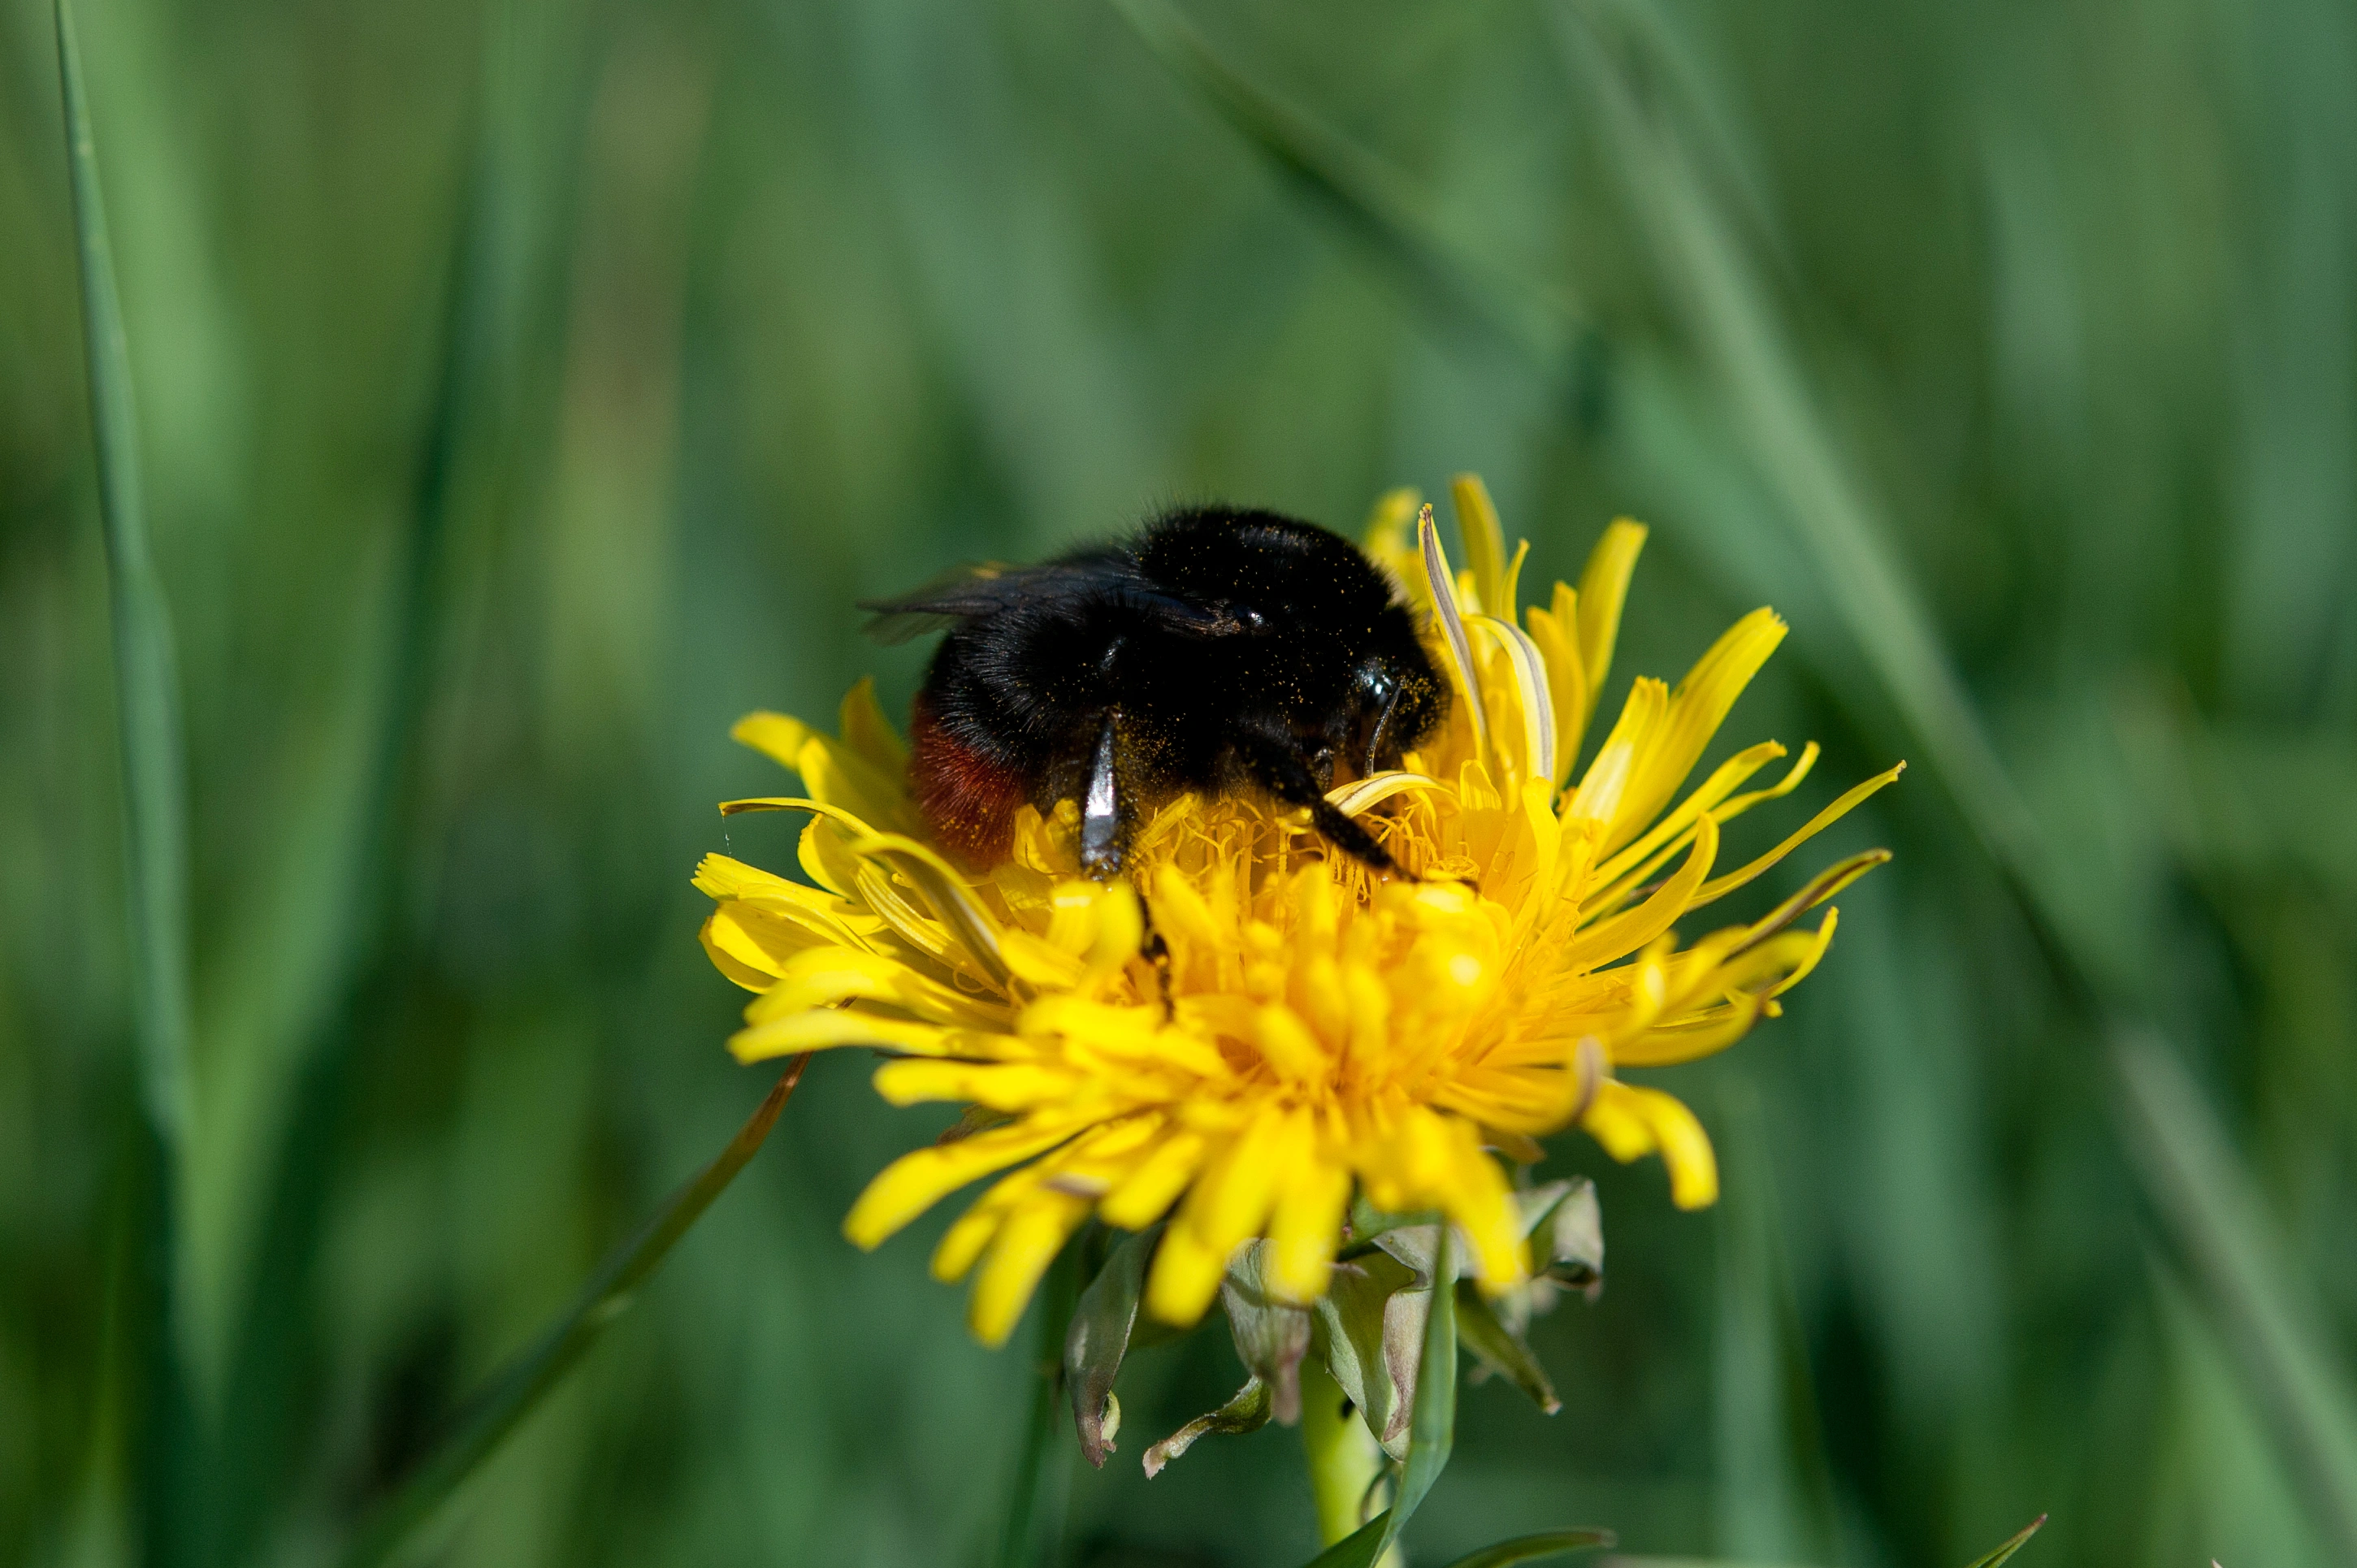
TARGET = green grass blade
x,y
513,1392
1361,1547
146,674
1772,1498
1369,200
2223,1233
1528,1548
154,806
2018,1540
260,1412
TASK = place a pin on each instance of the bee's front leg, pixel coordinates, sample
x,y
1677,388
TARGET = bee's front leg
x,y
1101,809
1282,771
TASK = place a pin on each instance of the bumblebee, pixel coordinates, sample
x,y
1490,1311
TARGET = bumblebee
x,y
1217,650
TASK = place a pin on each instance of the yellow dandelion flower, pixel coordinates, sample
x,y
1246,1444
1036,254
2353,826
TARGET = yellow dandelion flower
x,y
1312,1029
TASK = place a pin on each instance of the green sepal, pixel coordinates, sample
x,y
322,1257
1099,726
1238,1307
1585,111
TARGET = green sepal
x,y
1370,1333
1368,1223
1271,1335
1499,1348
1565,1225
1567,1240
1246,1411
1104,1324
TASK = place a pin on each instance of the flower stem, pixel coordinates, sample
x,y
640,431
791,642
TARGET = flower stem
x,y
1344,1461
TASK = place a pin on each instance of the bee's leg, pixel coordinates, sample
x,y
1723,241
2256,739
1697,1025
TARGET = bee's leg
x,y
1345,834
1157,953
1100,809
1282,772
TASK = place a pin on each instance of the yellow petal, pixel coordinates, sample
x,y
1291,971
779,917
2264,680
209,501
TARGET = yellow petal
x,y
1485,543
970,1234
722,876
915,1182
1286,1043
1186,1277
1450,615
1120,934
1532,706
1040,962
868,734
1696,711
754,971
1610,937
834,773
954,907
1668,1045
1613,1122
1073,917
1390,540
1304,1229
812,804
826,1027
1182,914
1635,862
775,736
1233,1197
1718,887
1002,1086
1154,1185
1026,1244
824,976
1603,586
1476,1198
1510,590
1629,1121
1606,784
1556,633
1366,794
967,1238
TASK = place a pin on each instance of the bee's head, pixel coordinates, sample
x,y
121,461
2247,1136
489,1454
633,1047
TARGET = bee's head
x,y
1313,622
1397,698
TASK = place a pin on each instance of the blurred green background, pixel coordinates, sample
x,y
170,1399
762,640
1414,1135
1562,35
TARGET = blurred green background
x,y
530,387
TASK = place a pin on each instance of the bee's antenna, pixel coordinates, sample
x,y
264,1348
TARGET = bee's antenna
x,y
1383,723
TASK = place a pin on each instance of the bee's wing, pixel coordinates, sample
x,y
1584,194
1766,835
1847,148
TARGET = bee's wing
x,y
975,589
964,593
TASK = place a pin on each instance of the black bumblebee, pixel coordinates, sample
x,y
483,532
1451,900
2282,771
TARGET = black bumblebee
x,y
1216,651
